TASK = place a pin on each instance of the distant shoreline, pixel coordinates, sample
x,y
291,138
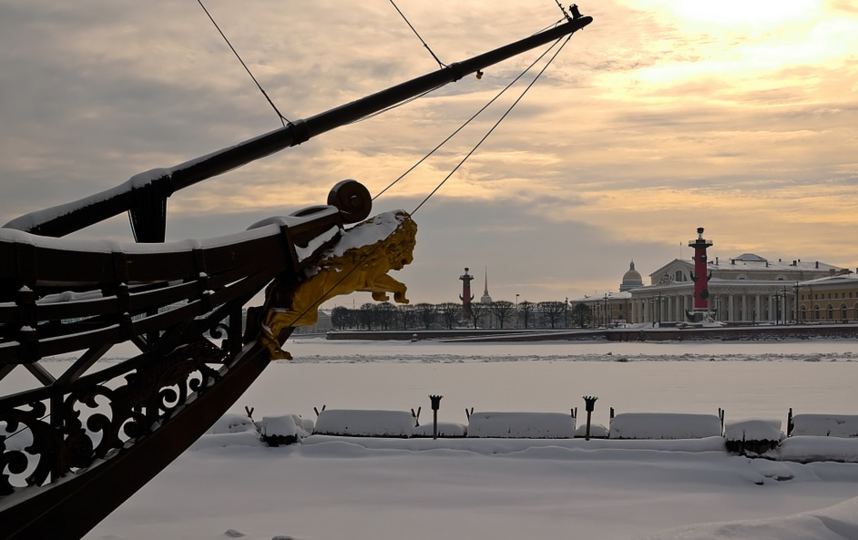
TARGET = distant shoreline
x,y
735,333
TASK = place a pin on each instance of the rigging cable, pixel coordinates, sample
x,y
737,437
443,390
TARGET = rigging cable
x,y
563,9
489,132
409,100
418,35
283,119
348,273
549,26
395,105
460,128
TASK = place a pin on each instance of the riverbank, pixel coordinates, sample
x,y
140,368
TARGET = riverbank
x,y
727,333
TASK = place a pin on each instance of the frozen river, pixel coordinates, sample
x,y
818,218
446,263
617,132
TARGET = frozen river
x,y
233,486
340,488
746,379
759,379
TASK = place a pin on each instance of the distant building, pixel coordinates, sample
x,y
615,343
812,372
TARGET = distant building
x,y
748,289
323,324
829,299
466,295
631,279
485,298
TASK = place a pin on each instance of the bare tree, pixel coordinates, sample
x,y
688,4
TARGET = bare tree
x,y
407,316
552,312
478,311
502,310
427,314
451,314
385,315
525,310
581,315
367,315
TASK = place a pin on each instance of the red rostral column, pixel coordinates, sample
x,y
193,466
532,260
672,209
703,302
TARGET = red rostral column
x,y
701,272
466,295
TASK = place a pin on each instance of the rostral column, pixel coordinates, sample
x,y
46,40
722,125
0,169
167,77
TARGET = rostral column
x,y
701,273
466,295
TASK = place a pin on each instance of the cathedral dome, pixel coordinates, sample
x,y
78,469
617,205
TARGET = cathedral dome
x,y
631,279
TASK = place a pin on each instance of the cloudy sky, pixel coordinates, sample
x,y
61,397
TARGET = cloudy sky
x,y
661,116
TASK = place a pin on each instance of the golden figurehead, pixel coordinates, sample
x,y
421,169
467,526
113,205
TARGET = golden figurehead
x,y
358,261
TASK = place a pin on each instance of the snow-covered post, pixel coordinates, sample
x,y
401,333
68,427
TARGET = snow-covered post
x,y
436,404
590,404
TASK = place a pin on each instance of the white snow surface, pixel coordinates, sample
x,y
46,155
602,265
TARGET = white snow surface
x,y
445,429
368,232
835,523
753,430
229,484
521,425
807,448
826,425
365,423
664,426
284,425
596,430
316,243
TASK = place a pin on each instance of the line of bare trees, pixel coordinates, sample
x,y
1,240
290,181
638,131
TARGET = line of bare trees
x,y
501,314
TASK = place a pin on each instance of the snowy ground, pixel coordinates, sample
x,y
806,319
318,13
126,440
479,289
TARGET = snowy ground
x,y
229,485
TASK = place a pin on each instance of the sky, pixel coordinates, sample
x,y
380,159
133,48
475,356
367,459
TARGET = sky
x,y
660,117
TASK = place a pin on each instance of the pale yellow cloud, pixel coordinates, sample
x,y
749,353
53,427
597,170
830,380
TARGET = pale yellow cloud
x,y
661,116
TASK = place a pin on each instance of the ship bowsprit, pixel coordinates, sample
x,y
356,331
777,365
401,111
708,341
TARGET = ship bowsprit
x,y
78,445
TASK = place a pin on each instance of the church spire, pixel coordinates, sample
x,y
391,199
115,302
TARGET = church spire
x,y
486,299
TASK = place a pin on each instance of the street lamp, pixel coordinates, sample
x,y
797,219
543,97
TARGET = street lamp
x,y
516,309
797,287
436,404
607,311
590,405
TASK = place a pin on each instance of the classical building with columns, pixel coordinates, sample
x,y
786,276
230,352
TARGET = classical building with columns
x,y
745,290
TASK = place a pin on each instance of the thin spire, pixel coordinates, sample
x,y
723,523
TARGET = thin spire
x,y
486,291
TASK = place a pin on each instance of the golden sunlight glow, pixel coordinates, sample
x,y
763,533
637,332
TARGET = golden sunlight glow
x,y
758,46
754,15
757,14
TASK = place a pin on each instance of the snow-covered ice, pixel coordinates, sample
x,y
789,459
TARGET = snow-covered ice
x,y
230,484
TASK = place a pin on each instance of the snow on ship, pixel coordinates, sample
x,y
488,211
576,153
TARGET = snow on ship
x,y
75,448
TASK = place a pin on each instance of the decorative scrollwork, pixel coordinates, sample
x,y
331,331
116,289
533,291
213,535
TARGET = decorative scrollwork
x,y
43,451
151,394
15,461
229,331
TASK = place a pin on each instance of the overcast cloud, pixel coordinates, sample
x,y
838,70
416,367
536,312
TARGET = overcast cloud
x,y
660,117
